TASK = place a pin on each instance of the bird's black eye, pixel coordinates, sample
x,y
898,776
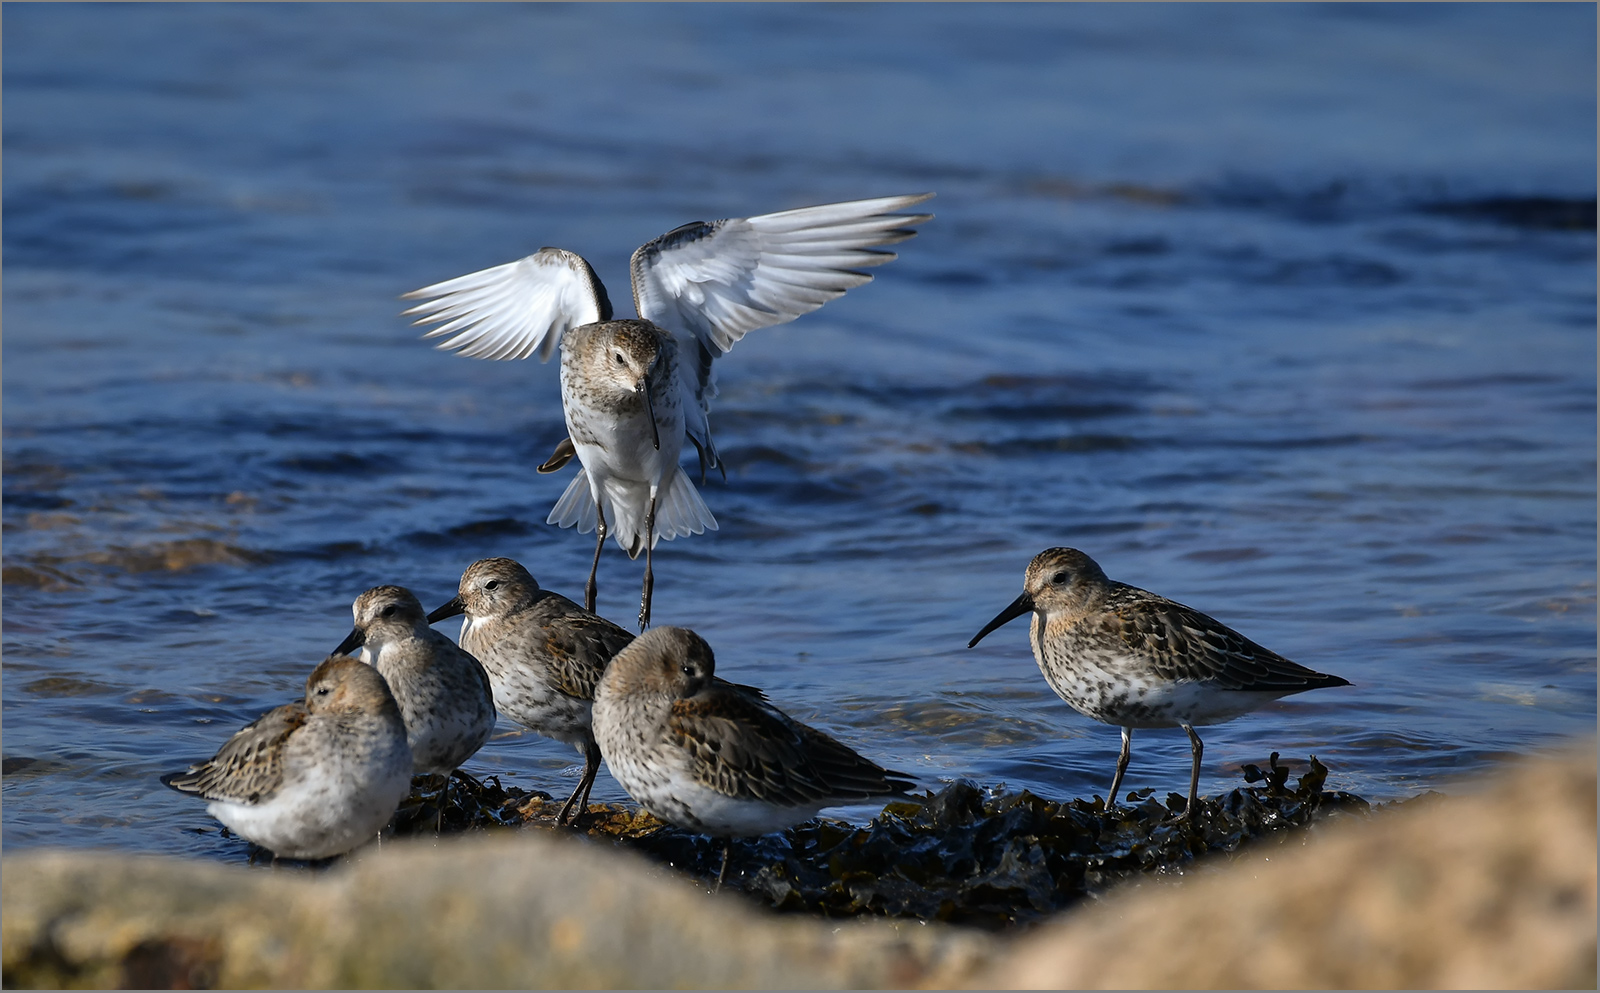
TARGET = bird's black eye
x,y
323,691
1058,578
389,610
493,584
689,669
620,359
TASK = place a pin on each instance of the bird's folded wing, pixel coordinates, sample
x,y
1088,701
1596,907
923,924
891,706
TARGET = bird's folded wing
x,y
514,310
1184,644
248,768
711,283
742,747
579,646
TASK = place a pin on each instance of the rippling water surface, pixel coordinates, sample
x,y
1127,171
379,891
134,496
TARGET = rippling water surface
x,y
1284,312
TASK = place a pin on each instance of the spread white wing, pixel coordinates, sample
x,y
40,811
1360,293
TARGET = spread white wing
x,y
513,310
710,284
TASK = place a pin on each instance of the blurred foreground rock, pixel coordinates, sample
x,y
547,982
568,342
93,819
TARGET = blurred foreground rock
x,y
1483,891
530,910
1495,888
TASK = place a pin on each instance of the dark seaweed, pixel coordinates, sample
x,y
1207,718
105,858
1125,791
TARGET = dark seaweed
x,y
964,855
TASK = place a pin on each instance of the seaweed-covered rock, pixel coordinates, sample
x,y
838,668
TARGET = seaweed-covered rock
x,y
963,855
1492,889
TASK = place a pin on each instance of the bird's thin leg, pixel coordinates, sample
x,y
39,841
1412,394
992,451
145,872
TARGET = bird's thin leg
x,y
580,796
722,874
1122,766
649,574
591,770
700,450
444,797
1194,772
590,590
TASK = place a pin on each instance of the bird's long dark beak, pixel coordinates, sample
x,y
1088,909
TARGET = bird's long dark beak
x,y
650,408
1021,605
356,638
450,609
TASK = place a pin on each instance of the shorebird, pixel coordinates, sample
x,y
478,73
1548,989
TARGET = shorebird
x,y
544,655
443,693
632,390
715,757
312,779
1121,655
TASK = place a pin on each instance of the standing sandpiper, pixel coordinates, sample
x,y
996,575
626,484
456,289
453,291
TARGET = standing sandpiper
x,y
1124,656
544,655
632,390
313,779
715,757
443,692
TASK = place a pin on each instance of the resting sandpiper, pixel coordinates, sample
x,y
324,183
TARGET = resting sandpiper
x,y
443,692
715,757
544,655
314,779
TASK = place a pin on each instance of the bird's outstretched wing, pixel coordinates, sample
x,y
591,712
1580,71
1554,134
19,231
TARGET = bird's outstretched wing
x,y
248,768
514,310
711,283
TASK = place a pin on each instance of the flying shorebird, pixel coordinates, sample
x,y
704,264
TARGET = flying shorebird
x,y
1121,655
632,390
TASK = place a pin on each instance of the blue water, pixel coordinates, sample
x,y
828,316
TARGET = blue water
x,y
1284,312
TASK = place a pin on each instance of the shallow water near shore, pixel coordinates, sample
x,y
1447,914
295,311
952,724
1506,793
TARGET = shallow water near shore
x,y
1286,314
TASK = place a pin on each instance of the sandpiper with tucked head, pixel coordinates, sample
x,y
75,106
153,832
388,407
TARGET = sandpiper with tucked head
x,y
544,655
312,779
715,757
632,390
443,692
1124,656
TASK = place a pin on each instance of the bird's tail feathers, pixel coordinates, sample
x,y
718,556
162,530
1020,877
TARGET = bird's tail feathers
x,y
576,506
679,509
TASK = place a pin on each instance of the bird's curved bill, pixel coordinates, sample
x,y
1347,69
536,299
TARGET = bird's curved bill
x,y
1021,605
650,409
355,640
450,609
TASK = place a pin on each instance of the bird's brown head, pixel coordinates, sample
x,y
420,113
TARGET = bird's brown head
x,y
673,662
1058,580
381,614
1062,579
342,684
489,588
626,357
625,353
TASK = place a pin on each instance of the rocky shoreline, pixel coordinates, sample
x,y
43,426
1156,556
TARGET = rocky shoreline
x,y
1492,886
965,855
